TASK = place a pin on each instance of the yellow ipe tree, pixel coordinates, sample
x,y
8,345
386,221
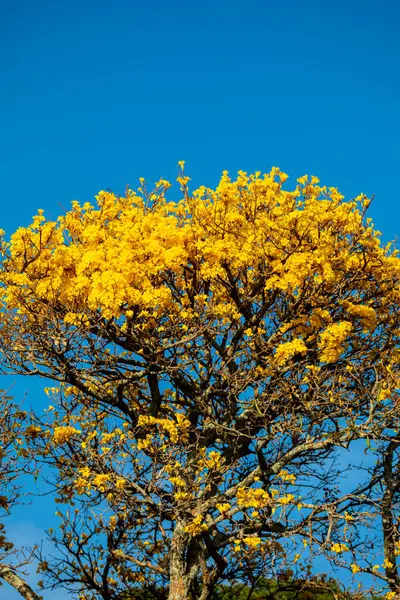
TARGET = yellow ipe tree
x,y
211,356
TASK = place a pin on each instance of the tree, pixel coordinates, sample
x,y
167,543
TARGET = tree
x,y
211,357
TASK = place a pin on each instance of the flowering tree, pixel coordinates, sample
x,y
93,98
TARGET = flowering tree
x,y
212,356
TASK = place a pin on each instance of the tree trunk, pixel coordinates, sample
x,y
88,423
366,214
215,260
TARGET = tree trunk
x,y
207,590
11,577
179,578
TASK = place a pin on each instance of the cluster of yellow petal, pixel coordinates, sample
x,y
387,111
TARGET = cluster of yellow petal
x,y
120,483
253,542
196,526
145,442
332,341
387,564
176,429
179,496
319,318
177,481
210,461
100,480
252,498
64,434
287,350
33,431
366,314
223,507
287,499
338,548
286,476
173,467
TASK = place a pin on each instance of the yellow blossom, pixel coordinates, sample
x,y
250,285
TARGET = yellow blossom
x,y
338,548
252,542
33,431
64,433
196,526
286,351
223,508
252,498
387,564
286,476
332,341
288,499
100,480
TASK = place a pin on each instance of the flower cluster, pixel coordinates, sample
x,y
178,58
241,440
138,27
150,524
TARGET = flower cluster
x,y
64,434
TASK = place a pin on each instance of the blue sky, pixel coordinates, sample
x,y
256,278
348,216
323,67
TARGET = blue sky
x,y
96,94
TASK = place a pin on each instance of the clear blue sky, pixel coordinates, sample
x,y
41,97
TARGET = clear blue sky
x,y
96,94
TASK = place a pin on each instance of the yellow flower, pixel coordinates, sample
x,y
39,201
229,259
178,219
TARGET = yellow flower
x,y
252,498
100,480
366,314
331,341
285,476
286,351
303,180
252,541
223,508
387,564
120,483
196,526
33,431
182,496
177,481
64,434
338,548
286,499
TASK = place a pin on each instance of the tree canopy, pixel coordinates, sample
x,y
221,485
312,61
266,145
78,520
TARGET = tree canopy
x,y
213,360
